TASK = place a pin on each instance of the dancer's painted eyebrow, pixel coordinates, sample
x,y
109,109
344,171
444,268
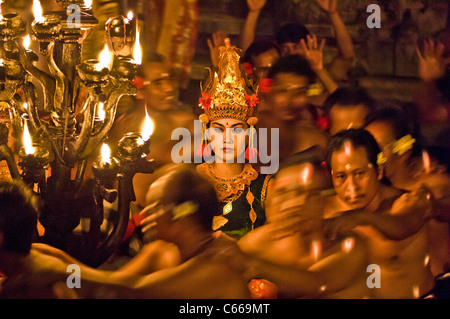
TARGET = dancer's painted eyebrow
x,y
233,125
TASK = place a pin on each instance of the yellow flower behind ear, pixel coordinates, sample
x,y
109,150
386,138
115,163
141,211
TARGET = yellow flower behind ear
x,y
381,159
403,145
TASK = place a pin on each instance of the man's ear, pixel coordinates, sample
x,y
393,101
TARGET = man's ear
x,y
380,172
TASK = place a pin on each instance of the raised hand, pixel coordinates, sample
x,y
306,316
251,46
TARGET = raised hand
x,y
218,38
329,6
312,52
432,64
256,5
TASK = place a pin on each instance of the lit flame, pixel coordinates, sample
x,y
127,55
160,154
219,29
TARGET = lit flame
x,y
148,127
26,42
137,50
305,175
37,11
101,114
427,260
27,143
130,15
416,291
1,1
348,244
105,57
348,148
106,154
87,3
316,249
426,161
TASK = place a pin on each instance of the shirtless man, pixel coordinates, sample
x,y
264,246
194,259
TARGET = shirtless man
x,y
407,166
287,107
182,217
28,272
388,215
162,105
290,250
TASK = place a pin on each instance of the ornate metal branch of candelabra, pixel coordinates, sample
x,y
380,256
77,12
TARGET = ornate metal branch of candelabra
x,y
61,143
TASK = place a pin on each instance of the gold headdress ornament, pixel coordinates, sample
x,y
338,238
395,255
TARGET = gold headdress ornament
x,y
228,95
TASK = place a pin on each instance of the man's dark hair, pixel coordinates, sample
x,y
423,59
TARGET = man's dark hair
x,y
188,186
358,138
19,211
150,57
443,85
293,64
292,32
258,47
349,96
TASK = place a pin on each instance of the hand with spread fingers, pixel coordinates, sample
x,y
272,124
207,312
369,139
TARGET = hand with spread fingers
x,y
218,39
256,5
432,63
329,6
313,52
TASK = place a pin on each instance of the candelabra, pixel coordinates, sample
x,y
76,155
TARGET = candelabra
x,y
60,137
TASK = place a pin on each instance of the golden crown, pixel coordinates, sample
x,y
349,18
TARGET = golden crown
x,y
228,94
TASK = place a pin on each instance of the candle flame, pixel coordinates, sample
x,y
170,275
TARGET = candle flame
x,y
37,11
316,249
27,42
426,161
148,127
27,143
427,260
105,57
130,15
348,244
137,50
1,1
106,154
348,148
305,175
87,3
416,291
101,114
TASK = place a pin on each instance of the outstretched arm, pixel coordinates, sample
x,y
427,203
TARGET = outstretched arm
x,y
314,54
218,38
432,66
405,217
342,62
333,272
248,31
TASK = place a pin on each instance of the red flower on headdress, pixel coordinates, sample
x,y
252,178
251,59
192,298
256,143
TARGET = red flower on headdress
x,y
205,100
252,100
265,85
248,68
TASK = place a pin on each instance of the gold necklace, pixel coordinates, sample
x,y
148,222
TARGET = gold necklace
x,y
227,187
229,203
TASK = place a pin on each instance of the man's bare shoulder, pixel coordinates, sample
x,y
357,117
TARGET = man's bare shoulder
x,y
389,192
